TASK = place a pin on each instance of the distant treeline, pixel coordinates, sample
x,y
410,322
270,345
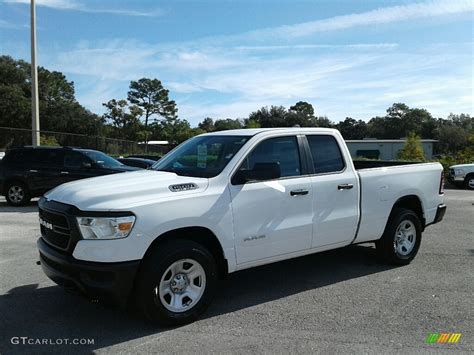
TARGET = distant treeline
x,y
148,113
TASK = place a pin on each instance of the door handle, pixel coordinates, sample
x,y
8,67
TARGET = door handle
x,y
345,186
64,172
299,192
33,171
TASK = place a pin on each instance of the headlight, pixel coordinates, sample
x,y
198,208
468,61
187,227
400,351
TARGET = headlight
x,y
105,228
458,172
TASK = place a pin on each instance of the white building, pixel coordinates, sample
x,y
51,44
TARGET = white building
x,y
384,149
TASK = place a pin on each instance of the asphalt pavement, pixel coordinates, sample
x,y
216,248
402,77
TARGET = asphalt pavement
x,y
331,302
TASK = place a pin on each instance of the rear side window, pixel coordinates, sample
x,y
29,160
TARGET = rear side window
x,y
281,150
327,157
18,157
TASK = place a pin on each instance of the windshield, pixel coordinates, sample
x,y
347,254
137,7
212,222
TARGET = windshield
x,y
203,156
102,160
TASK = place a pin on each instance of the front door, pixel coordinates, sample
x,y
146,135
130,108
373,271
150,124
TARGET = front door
x,y
77,166
274,217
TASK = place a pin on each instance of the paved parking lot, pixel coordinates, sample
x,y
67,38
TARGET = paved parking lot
x,y
338,301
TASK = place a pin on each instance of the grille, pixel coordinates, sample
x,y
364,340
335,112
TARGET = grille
x,y
59,233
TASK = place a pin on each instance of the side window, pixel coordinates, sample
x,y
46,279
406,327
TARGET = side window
x,y
281,150
48,157
326,154
74,160
18,157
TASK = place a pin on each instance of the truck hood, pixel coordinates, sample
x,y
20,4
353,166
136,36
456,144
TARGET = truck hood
x,y
462,166
122,191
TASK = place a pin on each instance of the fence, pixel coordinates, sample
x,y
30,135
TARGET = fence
x,y
16,137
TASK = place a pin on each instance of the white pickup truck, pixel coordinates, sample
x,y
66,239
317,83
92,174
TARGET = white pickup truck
x,y
462,175
223,202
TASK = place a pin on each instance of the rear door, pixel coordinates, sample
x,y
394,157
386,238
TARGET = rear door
x,y
273,218
46,168
335,192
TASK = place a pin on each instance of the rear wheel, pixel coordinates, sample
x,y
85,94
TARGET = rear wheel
x,y
176,283
469,182
17,194
401,239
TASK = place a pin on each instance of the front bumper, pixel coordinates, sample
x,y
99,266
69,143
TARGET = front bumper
x,y
456,178
109,283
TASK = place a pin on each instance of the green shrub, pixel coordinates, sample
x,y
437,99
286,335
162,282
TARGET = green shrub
x,y
50,141
413,150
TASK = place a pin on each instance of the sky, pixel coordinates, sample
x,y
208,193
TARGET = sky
x,y
225,59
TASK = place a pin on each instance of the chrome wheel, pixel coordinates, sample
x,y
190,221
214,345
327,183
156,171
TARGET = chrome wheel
x,y
405,238
181,286
16,194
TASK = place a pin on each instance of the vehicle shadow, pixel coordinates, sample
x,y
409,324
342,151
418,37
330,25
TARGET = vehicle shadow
x,y
6,208
50,313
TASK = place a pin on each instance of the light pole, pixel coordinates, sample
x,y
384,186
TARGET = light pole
x,y
35,125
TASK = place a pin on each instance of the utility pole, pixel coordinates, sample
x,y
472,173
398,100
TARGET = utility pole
x,y
35,125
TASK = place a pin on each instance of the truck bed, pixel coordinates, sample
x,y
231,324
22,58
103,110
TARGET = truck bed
x,y
383,183
370,164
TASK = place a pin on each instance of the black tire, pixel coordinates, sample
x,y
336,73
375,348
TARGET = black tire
x,y
22,199
468,182
387,250
151,273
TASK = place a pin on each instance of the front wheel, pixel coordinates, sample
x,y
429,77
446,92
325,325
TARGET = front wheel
x,y
401,239
177,283
469,182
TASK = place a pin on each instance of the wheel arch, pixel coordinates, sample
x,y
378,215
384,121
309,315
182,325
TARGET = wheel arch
x,y
9,180
200,235
411,202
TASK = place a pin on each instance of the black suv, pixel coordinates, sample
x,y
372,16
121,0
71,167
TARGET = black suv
x,y
31,171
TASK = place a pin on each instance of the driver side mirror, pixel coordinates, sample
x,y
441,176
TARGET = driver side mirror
x,y
260,172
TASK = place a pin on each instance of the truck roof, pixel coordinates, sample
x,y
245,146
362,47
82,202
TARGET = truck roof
x,y
254,131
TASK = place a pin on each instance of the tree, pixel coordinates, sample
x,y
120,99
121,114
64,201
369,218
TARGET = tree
x,y
412,150
173,129
376,128
300,114
303,108
153,99
59,110
226,124
352,129
250,123
400,121
323,121
124,117
207,125
270,117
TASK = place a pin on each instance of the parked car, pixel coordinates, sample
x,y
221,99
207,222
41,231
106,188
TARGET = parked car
x,y
462,175
145,156
137,162
228,201
31,171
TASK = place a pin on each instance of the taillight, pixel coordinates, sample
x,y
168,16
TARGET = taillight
x,y
441,184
